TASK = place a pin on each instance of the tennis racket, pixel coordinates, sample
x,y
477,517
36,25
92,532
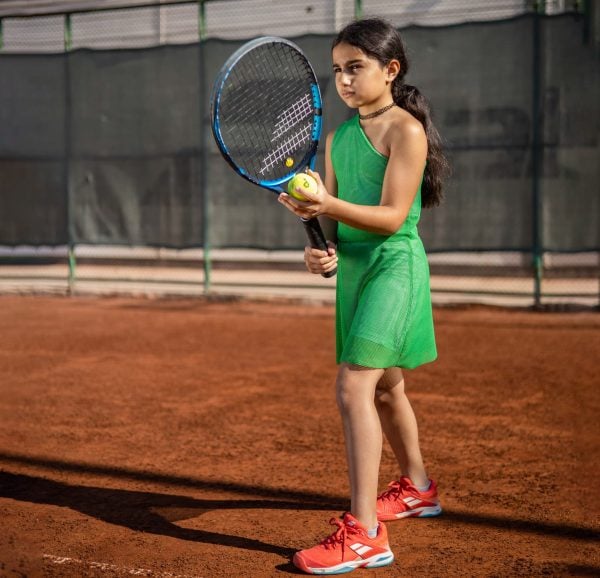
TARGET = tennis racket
x,y
266,117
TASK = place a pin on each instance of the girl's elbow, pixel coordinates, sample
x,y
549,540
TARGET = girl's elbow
x,y
393,221
387,230
394,225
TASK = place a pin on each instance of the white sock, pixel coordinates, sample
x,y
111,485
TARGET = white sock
x,y
373,532
424,488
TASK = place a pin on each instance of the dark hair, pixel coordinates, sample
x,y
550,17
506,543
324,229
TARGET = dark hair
x,y
378,39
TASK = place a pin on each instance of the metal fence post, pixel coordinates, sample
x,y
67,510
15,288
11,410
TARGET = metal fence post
x,y
206,220
536,163
201,19
68,45
357,9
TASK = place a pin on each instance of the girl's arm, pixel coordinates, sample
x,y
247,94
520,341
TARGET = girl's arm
x,y
318,261
303,209
329,225
407,155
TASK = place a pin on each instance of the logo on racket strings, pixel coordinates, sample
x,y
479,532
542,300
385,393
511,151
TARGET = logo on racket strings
x,y
291,124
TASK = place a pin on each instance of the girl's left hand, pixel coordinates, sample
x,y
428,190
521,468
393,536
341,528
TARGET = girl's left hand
x,y
315,205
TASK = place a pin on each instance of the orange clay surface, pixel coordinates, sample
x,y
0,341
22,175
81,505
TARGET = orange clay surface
x,y
195,438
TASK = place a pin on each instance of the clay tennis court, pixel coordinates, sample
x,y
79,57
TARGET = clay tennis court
x,y
201,438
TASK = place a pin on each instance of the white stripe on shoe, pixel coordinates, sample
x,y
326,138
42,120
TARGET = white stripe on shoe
x,y
376,561
360,549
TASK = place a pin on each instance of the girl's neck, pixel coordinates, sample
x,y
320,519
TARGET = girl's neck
x,y
376,113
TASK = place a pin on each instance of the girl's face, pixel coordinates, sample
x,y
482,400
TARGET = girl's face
x,y
361,80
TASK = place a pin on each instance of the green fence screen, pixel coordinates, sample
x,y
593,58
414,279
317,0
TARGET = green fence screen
x,y
114,146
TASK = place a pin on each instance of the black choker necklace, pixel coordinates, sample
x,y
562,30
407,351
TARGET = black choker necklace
x,y
377,112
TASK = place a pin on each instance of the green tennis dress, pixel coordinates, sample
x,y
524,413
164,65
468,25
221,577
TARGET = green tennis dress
x,y
383,303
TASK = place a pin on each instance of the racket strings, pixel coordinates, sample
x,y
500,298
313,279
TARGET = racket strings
x,y
286,149
292,116
267,111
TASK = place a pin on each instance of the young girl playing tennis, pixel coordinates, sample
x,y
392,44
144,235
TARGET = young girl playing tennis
x,y
382,166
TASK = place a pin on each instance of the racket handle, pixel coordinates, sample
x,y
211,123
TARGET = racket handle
x,y
316,238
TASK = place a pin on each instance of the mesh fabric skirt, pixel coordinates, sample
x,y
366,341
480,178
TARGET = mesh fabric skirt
x,y
383,304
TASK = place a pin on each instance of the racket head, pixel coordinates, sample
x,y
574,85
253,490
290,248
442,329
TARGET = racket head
x,y
266,111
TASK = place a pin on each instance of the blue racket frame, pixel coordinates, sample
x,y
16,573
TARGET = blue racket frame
x,y
312,226
309,159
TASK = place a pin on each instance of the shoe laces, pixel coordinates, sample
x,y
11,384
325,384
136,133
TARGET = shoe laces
x,y
396,489
340,535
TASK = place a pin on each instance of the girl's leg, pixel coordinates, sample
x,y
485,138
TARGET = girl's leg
x,y
355,390
400,425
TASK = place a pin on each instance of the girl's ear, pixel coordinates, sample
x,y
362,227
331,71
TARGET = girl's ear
x,y
392,70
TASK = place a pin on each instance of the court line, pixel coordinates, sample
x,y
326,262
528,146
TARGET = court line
x,y
106,567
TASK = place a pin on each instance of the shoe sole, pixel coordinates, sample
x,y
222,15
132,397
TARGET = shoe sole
x,y
425,512
375,562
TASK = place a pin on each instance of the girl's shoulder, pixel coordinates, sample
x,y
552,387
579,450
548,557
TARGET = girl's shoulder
x,y
397,130
403,129
403,124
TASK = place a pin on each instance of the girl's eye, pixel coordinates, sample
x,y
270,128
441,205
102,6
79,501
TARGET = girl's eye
x,y
352,68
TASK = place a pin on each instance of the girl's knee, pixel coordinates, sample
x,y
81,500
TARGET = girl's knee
x,y
390,386
342,398
355,386
343,391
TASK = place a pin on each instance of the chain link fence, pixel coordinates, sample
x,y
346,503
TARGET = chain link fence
x,y
111,257
37,26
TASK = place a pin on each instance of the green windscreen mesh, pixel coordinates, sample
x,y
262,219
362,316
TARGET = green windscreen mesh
x,y
114,146
136,146
33,170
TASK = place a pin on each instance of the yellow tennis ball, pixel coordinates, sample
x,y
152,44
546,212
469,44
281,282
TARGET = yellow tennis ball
x,y
302,181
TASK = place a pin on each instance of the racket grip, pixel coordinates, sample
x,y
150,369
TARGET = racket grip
x,y
316,238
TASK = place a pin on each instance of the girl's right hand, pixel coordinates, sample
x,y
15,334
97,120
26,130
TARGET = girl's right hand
x,y
316,203
318,261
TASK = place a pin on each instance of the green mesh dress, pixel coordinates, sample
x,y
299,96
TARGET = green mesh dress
x,y
383,304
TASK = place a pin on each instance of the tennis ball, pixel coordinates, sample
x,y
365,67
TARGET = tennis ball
x,y
302,181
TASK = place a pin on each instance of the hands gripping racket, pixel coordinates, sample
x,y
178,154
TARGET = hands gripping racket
x,y
266,117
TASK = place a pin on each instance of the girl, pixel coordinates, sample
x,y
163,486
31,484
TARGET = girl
x,y
382,166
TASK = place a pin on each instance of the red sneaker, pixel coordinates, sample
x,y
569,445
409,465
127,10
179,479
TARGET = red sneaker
x,y
403,500
347,549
